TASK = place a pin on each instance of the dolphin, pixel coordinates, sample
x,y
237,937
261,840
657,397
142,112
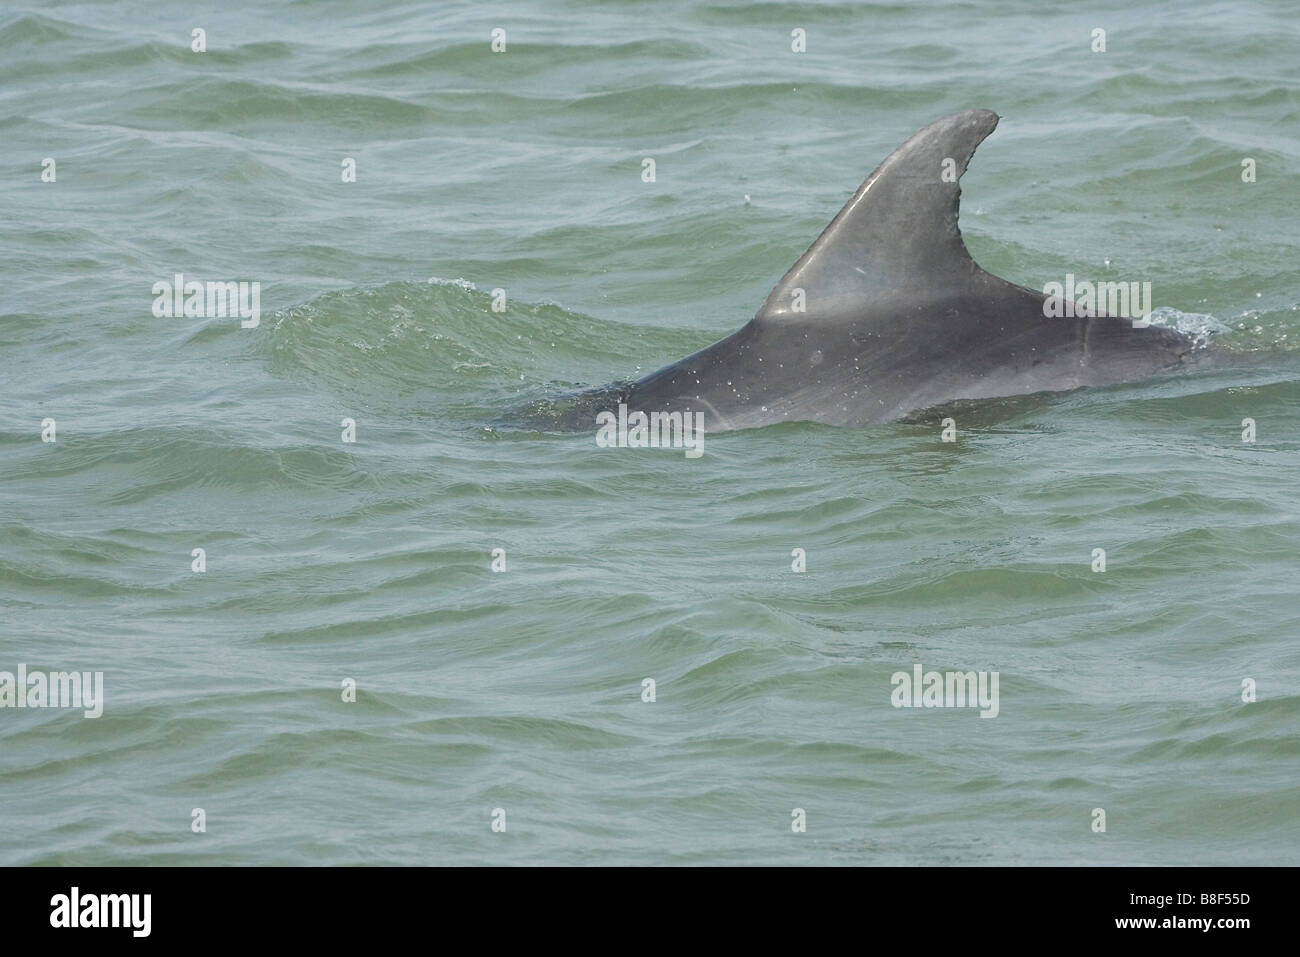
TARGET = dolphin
x,y
887,315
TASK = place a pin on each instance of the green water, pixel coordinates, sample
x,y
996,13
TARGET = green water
x,y
522,689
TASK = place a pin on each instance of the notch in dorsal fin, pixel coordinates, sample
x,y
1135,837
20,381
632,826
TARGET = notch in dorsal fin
x,y
899,231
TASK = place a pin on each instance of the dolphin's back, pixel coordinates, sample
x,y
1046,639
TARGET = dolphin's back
x,y
887,314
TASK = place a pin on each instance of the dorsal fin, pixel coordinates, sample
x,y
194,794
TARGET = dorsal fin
x,y
898,232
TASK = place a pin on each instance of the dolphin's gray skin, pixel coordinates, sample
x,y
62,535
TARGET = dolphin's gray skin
x,y
898,318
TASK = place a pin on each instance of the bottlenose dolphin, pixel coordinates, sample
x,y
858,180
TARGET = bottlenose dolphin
x,y
887,314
